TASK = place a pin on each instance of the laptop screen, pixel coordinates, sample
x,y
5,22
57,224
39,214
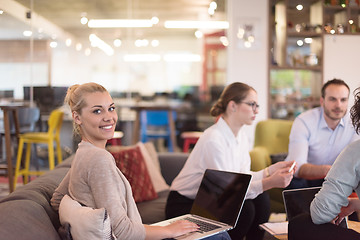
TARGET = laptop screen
x,y
221,196
298,201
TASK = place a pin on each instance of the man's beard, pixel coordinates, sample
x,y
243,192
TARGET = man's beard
x,y
328,114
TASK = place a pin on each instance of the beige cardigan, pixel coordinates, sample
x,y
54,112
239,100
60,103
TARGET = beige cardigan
x,y
95,181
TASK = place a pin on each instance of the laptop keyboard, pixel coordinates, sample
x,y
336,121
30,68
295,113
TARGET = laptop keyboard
x,y
203,226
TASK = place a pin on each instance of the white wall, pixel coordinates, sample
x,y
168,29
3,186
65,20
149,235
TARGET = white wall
x,y
250,65
341,60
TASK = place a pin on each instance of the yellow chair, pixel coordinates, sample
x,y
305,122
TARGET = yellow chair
x,y
53,134
271,137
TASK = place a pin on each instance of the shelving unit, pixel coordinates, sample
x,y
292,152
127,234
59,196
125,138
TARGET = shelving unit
x,y
296,43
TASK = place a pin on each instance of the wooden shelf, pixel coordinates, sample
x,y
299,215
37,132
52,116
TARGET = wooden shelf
x,y
304,34
310,68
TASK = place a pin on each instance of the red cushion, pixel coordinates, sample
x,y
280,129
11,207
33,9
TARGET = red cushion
x,y
131,163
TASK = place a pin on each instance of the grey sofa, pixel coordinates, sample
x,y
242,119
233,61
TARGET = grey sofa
x,y
27,214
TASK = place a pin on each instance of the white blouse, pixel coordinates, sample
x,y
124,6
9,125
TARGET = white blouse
x,y
218,149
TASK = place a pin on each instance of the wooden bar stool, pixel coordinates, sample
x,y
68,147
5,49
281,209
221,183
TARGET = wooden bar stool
x,y
190,137
53,134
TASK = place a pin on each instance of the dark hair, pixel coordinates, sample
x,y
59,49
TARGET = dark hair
x,y
355,111
334,81
236,92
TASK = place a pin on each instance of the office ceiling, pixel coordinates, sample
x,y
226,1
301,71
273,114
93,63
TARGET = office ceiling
x,y
67,13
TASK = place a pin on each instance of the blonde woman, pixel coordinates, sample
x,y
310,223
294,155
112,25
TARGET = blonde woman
x,y
94,180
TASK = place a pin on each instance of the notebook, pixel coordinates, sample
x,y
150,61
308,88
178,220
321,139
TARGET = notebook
x,y
218,203
298,201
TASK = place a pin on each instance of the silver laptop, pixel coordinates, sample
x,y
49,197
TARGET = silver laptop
x,y
217,205
297,201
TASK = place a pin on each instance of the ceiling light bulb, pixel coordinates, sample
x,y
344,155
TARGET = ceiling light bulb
x,y
99,43
299,43
308,40
84,20
117,42
182,57
68,42
247,44
351,21
53,44
155,20
155,43
211,11
142,58
240,33
213,5
1,11
224,40
251,39
197,24
78,47
299,7
199,34
119,23
27,33
141,43
87,52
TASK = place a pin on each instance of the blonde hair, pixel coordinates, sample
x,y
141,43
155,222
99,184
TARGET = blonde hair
x,y
75,98
236,92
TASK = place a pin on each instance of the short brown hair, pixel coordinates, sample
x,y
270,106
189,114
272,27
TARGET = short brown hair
x,y
334,81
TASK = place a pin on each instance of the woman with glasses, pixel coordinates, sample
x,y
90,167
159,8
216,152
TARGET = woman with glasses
x,y
224,146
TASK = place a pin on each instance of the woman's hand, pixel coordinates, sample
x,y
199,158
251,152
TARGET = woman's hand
x,y
281,178
282,165
181,227
172,230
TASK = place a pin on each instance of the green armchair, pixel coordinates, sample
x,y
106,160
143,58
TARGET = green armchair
x,y
271,138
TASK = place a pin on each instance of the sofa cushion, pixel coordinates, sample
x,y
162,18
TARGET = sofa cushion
x,y
40,191
25,219
153,154
278,157
131,163
154,171
153,211
151,161
85,222
171,164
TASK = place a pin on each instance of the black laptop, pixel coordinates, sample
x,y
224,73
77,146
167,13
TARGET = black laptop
x,y
297,201
217,205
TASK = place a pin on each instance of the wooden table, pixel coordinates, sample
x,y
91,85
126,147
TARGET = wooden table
x,y
7,108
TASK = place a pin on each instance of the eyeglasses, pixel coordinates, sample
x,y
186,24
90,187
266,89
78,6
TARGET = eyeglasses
x,y
253,105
